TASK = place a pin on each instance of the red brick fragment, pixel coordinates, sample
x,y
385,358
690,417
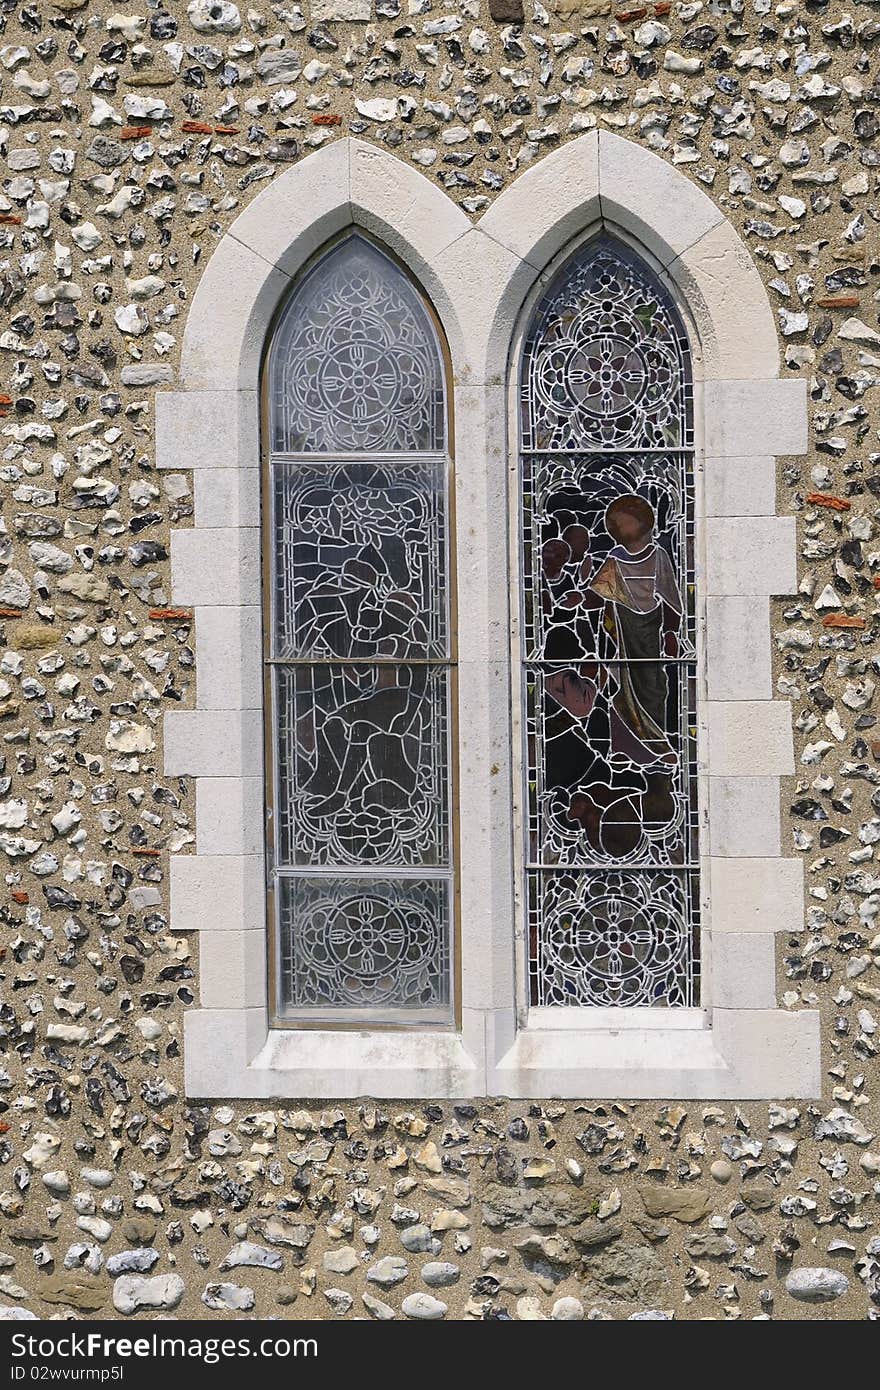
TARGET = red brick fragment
x,y
10,612
627,16
838,301
226,130
151,853
169,614
134,132
826,499
663,8
10,219
842,620
327,118
18,896
197,128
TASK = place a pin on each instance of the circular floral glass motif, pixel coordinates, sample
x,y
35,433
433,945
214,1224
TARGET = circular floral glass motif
x,y
365,951
360,368
606,376
604,365
616,949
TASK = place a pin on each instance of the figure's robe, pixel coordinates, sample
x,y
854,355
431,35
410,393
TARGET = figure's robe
x,y
635,589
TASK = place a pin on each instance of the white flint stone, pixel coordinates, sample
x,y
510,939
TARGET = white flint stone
x,y
130,26
33,86
57,1181
125,737
13,55
50,557
235,1298
67,1032
246,1253
131,319
677,62
567,1310
144,897
86,236
13,814
97,1177
146,108
528,1309
139,1261
853,330
43,1148
793,322
103,113
214,16
131,1292
277,66
96,1227
382,1312
146,287
795,207
340,1301
340,11
423,1306
379,109
651,33
437,1274
222,1143
15,591
816,1285
387,1272
419,1240
341,1261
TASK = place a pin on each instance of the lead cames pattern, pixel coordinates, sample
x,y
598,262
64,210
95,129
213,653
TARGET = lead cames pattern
x,y
605,362
360,647
608,628
357,368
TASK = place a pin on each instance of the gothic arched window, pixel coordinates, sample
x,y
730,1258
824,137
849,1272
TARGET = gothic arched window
x,y
359,648
608,621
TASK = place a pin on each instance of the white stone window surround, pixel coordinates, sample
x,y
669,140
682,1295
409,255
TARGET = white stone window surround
x,y
478,278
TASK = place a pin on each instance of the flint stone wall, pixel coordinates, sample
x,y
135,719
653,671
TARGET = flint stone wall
x,y
130,139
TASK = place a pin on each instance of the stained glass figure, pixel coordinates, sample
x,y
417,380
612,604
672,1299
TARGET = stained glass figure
x,y
608,631
360,659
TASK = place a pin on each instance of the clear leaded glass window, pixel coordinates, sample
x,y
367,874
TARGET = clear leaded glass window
x,y
359,649
608,640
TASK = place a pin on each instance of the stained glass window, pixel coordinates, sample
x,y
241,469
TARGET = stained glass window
x,y
608,640
359,648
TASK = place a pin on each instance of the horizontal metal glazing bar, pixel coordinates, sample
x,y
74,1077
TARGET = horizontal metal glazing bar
x,y
571,662
339,456
689,866
609,453
359,661
417,871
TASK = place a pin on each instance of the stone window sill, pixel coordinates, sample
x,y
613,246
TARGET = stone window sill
x,y
730,1054
326,1063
